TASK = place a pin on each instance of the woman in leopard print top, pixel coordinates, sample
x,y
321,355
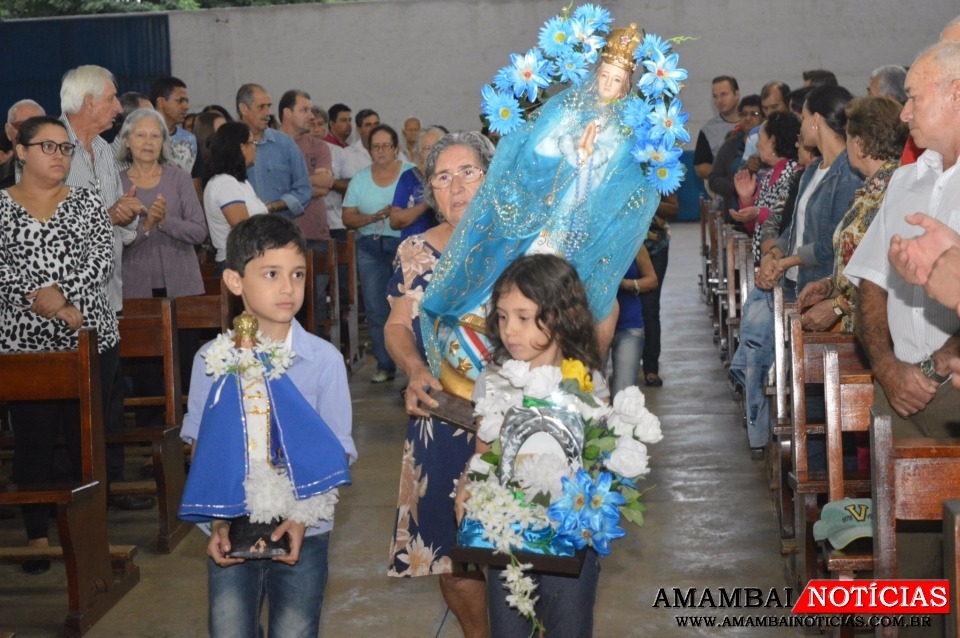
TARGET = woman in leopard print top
x,y
56,255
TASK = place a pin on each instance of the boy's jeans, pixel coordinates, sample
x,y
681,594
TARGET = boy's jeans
x,y
295,594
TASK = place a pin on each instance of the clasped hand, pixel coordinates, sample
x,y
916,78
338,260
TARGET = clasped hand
x,y
126,208
813,293
905,387
157,213
769,273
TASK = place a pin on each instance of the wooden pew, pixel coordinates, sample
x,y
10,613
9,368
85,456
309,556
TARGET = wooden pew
x,y
148,330
912,479
848,399
722,291
326,264
779,457
716,270
806,354
350,307
209,312
97,575
951,551
705,247
740,286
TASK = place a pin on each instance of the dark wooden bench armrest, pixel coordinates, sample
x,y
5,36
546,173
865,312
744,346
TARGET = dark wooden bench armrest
x,y
50,493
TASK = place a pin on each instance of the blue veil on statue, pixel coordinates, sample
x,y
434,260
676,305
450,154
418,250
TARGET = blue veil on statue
x,y
545,193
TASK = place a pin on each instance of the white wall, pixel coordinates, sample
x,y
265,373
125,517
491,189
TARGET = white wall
x,y
430,57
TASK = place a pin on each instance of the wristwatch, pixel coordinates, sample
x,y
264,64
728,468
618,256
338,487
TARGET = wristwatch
x,y
837,310
929,370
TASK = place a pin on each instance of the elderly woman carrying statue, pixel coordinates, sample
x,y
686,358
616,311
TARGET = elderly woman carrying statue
x,y
580,179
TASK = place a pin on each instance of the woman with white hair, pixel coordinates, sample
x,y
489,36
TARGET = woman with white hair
x,y
161,262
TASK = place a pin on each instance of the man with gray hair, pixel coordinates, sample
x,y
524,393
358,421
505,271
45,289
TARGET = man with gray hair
x,y
887,81
88,99
908,337
19,113
279,173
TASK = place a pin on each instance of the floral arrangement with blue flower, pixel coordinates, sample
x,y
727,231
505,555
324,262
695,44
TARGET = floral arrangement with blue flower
x,y
568,45
554,501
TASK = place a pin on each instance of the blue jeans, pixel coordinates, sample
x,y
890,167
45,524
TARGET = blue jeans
x,y
374,269
752,360
565,604
626,352
295,593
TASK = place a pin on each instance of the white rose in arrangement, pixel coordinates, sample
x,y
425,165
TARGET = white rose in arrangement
x,y
598,412
543,381
478,465
515,372
489,429
648,428
619,426
628,459
630,404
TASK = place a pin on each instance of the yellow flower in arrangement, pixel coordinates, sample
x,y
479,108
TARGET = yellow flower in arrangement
x,y
574,369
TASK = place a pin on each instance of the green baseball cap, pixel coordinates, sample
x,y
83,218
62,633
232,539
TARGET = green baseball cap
x,y
844,521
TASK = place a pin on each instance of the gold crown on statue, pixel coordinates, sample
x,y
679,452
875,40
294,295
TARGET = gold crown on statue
x,y
621,44
245,327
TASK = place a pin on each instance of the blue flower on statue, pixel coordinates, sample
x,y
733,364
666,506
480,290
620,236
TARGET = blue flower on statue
x,y
556,37
501,110
635,112
594,17
584,35
529,74
666,178
662,75
572,67
667,122
650,44
656,154
503,80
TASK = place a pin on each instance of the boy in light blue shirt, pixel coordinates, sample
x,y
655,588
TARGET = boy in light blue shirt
x,y
266,267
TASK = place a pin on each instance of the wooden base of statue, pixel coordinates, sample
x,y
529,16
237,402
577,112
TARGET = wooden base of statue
x,y
453,410
252,540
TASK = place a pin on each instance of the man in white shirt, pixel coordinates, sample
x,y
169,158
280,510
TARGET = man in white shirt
x,y
909,337
352,159
88,99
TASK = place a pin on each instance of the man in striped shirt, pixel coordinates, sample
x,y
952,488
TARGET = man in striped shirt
x,y
88,99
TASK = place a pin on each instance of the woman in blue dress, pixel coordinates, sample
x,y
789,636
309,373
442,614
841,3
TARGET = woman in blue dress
x,y
434,452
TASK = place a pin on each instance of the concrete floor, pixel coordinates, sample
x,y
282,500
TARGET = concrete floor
x,y
709,524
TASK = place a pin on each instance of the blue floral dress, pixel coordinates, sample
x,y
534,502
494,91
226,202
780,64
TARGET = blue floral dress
x,y
434,452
